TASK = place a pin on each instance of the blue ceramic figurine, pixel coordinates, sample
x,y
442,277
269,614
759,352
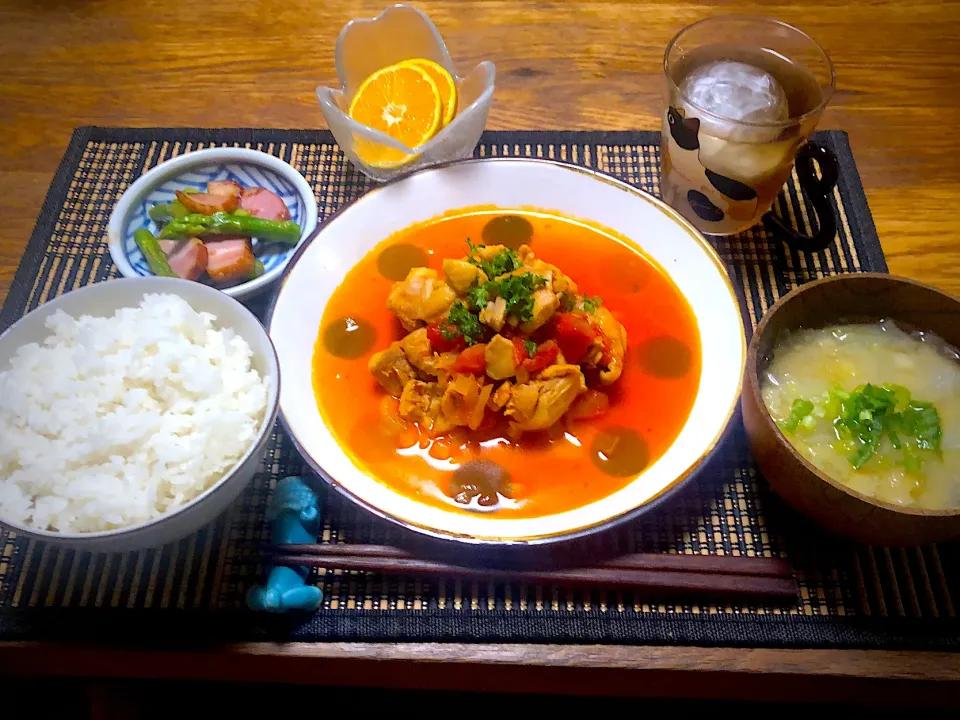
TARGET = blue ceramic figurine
x,y
295,518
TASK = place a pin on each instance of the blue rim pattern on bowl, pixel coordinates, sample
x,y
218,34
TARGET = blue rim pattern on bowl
x,y
248,175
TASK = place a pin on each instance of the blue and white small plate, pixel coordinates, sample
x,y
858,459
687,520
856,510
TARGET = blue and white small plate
x,y
250,168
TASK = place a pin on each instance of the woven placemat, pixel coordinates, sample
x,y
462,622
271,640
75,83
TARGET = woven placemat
x,y
193,591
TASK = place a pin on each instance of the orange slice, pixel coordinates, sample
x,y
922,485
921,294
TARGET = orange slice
x,y
445,84
401,101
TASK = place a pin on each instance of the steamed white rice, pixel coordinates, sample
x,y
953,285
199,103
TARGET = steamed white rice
x,y
115,421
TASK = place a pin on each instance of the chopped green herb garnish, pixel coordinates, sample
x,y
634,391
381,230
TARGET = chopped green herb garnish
x,y
798,411
922,421
590,304
873,412
567,302
517,291
531,347
479,295
461,321
503,262
866,416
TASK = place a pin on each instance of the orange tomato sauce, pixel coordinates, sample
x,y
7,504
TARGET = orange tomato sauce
x,y
551,471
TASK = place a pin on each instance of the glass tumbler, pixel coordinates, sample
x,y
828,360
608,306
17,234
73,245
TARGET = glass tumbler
x,y
744,94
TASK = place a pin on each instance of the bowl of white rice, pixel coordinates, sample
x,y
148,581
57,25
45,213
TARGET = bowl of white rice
x,y
132,412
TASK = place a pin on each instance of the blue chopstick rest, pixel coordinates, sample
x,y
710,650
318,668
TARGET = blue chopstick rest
x,y
294,515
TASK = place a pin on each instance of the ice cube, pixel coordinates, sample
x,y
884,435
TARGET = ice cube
x,y
738,92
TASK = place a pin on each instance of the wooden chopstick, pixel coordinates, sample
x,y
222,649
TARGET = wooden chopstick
x,y
677,574
718,564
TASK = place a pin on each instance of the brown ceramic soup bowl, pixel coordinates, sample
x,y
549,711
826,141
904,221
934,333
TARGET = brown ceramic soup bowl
x,y
866,297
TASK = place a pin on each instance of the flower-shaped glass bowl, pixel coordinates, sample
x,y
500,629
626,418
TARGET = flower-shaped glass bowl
x,y
402,32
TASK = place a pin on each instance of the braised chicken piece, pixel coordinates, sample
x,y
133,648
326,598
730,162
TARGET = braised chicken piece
x,y
539,404
559,282
612,346
500,356
391,369
545,304
462,275
420,402
421,297
501,333
416,347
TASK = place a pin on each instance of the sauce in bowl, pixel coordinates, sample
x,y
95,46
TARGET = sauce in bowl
x,y
572,463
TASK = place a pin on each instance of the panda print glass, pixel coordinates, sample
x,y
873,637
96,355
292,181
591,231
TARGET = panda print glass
x,y
743,96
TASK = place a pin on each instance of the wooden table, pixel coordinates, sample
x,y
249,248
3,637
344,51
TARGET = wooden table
x,y
560,65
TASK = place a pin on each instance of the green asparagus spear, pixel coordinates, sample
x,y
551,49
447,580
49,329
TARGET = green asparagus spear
x,y
156,258
164,213
221,223
258,270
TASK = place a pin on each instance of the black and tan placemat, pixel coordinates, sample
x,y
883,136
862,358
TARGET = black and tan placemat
x,y
193,591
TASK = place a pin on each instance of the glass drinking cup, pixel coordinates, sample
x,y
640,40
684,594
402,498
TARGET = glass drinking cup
x,y
723,168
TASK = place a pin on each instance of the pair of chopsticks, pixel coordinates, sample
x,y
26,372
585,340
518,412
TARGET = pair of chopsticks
x,y
723,575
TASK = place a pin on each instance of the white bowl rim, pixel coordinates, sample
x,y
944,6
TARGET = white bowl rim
x,y
180,164
273,399
679,482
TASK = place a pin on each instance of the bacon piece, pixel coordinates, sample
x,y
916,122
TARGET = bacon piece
x,y
207,204
226,188
229,260
188,259
263,203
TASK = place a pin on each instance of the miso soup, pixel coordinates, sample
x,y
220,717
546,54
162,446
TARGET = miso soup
x,y
874,407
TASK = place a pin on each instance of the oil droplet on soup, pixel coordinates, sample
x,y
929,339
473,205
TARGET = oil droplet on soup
x,y
510,230
348,337
481,479
665,357
396,261
620,452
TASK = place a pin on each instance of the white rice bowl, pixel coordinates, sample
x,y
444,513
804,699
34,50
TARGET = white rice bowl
x,y
115,421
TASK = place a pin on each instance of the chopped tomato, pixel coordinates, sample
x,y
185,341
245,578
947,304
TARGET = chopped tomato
x,y
588,405
471,360
546,356
573,334
440,344
519,350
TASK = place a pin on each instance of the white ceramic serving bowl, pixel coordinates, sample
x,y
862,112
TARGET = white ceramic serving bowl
x,y
104,298
194,169
320,265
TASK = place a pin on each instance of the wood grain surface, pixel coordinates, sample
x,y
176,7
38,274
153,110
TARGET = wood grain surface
x,y
560,65
861,676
